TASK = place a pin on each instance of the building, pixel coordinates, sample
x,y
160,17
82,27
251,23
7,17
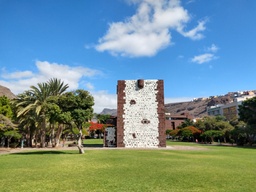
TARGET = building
x,y
173,121
230,110
140,114
215,110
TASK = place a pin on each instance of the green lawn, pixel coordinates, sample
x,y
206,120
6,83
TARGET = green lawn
x,y
219,168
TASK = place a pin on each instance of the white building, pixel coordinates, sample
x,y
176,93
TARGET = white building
x,y
230,110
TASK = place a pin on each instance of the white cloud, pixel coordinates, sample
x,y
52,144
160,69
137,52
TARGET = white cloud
x,y
149,30
213,48
193,33
18,75
103,99
89,86
20,81
200,59
206,57
190,1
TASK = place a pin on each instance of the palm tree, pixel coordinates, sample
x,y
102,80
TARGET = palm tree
x,y
37,100
57,87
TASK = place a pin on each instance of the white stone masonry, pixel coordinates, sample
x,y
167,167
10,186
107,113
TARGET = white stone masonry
x,y
140,115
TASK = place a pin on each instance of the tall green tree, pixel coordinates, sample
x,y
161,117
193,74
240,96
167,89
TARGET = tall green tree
x,y
58,119
247,113
5,107
79,103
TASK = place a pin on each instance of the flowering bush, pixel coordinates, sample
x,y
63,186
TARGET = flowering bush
x,y
96,126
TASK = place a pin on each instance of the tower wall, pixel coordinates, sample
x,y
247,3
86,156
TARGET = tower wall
x,y
140,114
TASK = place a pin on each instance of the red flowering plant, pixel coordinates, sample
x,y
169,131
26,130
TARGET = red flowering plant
x,y
96,128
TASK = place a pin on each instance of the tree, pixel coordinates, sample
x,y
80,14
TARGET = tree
x,y
186,134
57,86
211,134
11,134
247,113
27,123
102,118
190,131
53,112
5,107
6,125
6,115
226,129
37,100
79,103
64,125
186,123
174,132
214,124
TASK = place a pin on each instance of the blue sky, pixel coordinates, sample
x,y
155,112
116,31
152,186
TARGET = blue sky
x,y
199,48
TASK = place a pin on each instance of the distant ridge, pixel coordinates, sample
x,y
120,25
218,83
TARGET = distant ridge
x,y
4,91
106,111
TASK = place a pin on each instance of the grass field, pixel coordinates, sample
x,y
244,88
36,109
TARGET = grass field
x,y
219,168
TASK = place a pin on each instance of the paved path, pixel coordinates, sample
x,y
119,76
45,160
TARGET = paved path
x,y
19,150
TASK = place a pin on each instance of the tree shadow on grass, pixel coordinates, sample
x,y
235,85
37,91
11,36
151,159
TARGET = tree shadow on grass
x,y
93,145
45,152
232,146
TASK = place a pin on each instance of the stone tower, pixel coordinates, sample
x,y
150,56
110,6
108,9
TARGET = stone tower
x,y
140,114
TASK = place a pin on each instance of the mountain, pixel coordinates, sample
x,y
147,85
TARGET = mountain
x,y
106,111
197,107
4,91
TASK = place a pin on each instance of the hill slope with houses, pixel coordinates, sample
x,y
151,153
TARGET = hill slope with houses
x,y
197,107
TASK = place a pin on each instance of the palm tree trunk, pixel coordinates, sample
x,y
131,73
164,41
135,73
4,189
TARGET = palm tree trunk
x,y
43,133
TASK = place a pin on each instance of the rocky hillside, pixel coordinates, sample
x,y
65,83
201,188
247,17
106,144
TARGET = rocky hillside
x,y
112,112
7,92
197,108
